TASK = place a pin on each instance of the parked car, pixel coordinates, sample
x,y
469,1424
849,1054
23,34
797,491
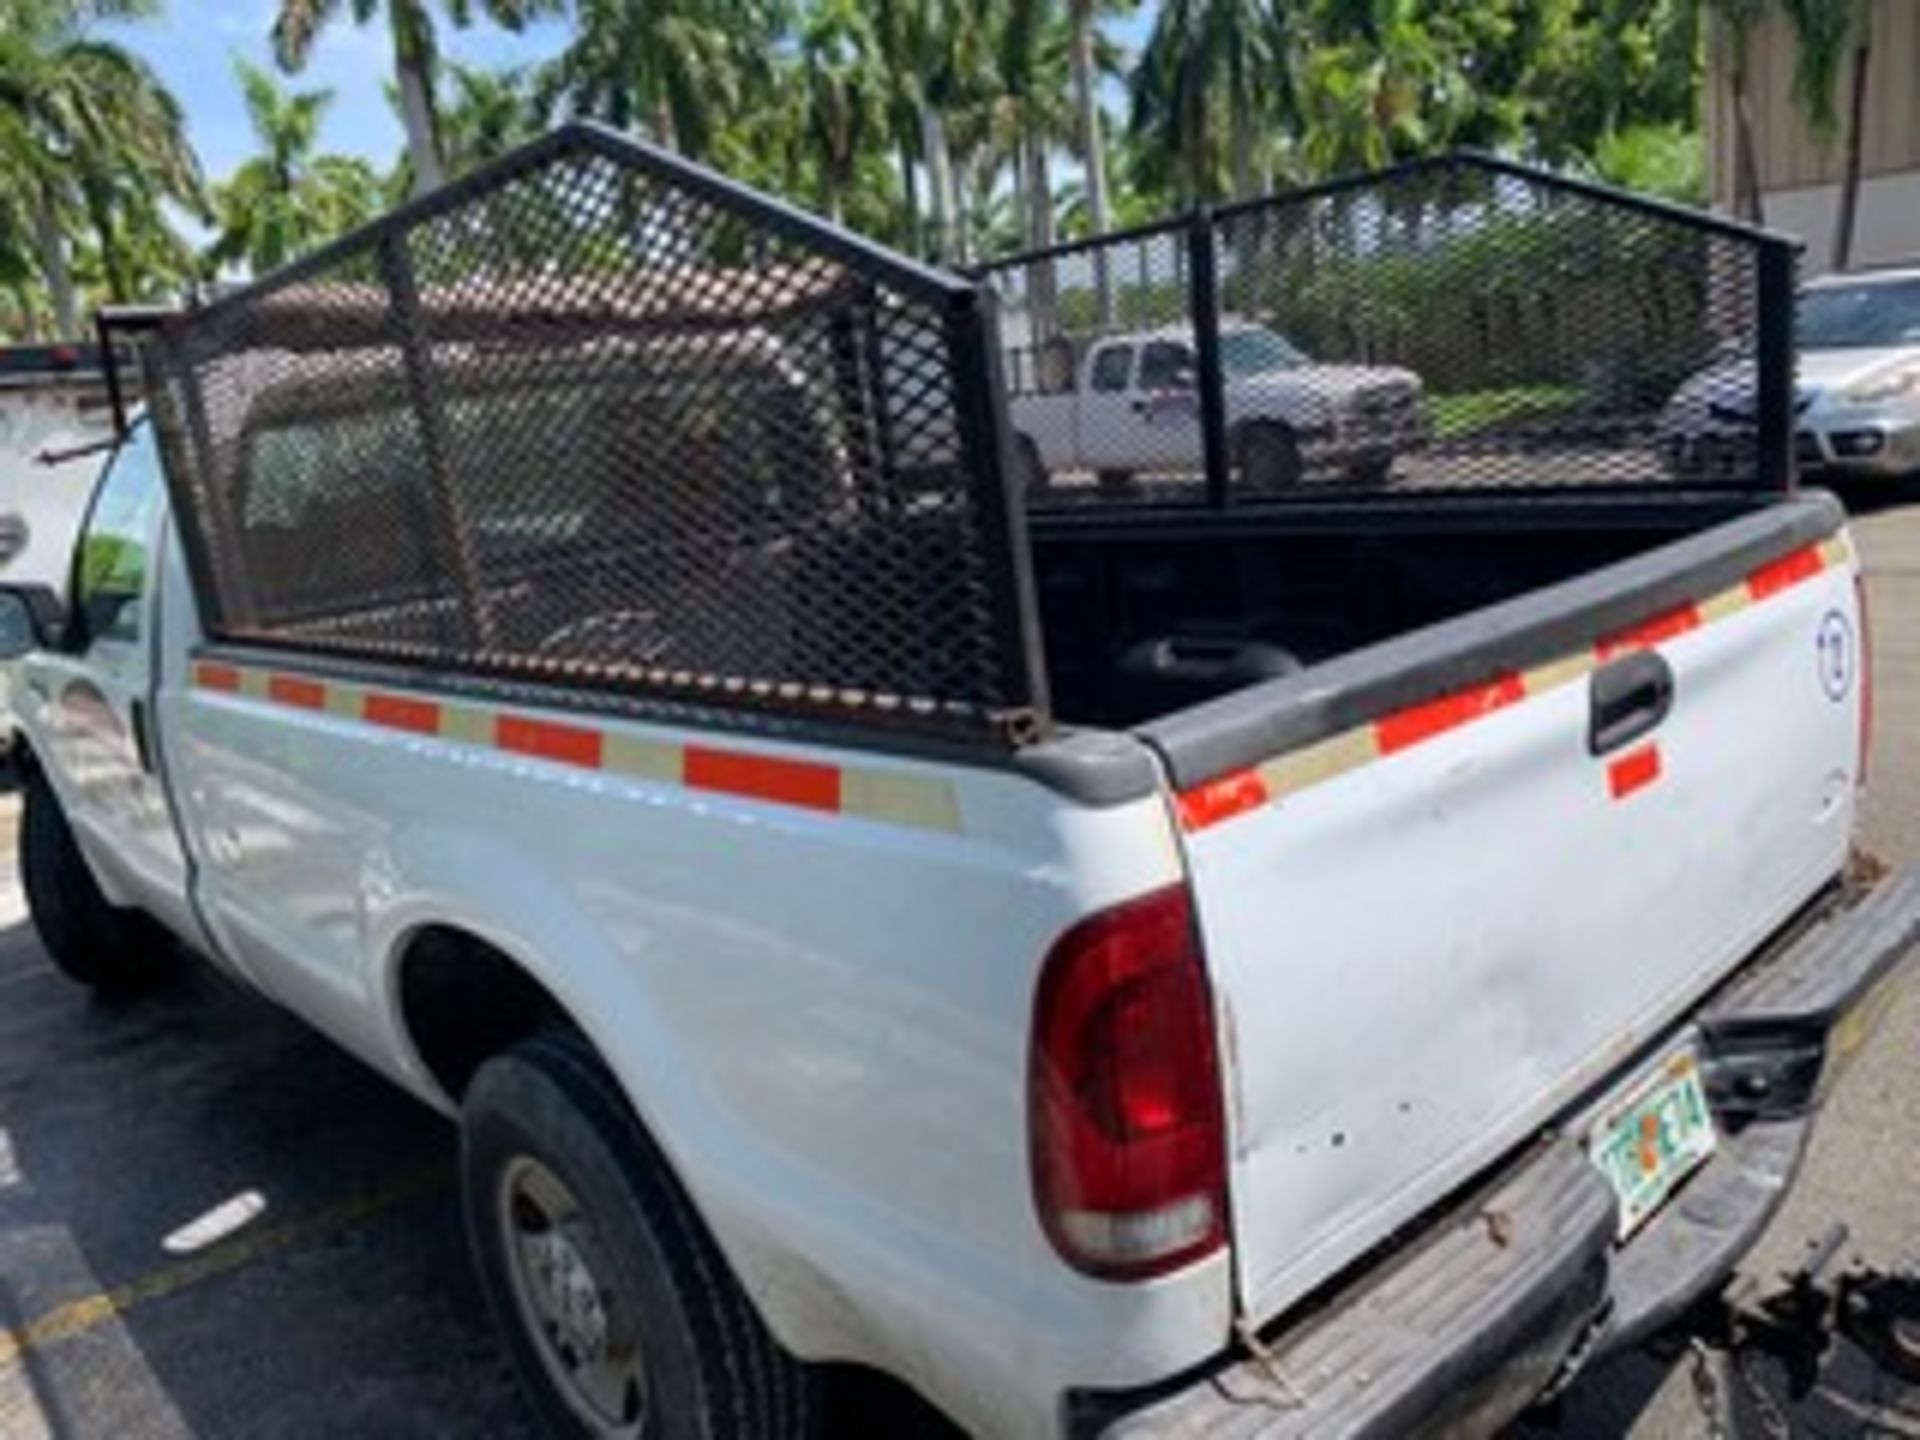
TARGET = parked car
x,y
1133,407
1858,406
1316,1051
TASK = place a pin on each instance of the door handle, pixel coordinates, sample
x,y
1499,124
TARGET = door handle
x,y
142,738
1628,698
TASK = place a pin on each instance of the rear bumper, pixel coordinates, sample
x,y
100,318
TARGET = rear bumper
x,y
1519,1284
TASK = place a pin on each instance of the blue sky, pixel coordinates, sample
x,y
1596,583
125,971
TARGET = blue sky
x,y
192,47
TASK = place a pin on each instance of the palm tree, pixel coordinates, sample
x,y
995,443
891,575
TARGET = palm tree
x,y
17,272
1209,78
844,95
482,115
939,48
678,66
1376,83
1737,19
416,57
1828,32
490,113
1089,126
288,199
82,120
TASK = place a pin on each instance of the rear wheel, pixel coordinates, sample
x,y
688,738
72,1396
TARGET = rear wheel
x,y
88,938
1269,456
621,1313
1030,470
1374,470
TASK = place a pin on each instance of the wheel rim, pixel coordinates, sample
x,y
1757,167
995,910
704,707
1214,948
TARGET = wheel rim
x,y
1270,460
582,1327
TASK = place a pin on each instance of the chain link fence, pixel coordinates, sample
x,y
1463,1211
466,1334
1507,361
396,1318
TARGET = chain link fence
x,y
1456,325
598,417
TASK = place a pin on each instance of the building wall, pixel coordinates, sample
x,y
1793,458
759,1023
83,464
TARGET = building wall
x,y
1799,172
1887,228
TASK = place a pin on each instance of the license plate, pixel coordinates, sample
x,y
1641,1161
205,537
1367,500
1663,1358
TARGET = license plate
x,y
1654,1137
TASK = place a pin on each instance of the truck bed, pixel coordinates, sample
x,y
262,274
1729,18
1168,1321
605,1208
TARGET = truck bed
x,y
1147,613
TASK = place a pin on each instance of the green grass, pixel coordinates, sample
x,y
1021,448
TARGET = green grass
x,y
1471,410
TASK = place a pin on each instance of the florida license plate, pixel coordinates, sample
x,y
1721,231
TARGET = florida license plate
x,y
1652,1138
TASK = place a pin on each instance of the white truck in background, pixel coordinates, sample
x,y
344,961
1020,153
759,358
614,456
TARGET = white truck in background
x,y
56,427
1359,1047
1131,406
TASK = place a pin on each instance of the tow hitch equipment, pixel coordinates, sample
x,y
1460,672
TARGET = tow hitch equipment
x,y
1876,1311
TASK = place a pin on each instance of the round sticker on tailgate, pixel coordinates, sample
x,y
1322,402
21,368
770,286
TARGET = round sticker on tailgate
x,y
1834,647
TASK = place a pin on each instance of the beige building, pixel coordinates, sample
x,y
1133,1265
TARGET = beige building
x,y
1799,175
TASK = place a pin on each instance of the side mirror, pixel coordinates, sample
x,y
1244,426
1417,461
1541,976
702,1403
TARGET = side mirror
x,y
31,618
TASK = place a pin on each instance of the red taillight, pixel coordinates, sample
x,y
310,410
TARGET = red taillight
x,y
1866,678
1123,1094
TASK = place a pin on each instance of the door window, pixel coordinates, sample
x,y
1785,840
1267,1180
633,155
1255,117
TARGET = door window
x,y
1110,368
116,546
1165,365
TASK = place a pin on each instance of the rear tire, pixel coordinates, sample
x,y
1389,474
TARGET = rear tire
x,y
620,1311
90,939
1030,470
1269,456
1375,471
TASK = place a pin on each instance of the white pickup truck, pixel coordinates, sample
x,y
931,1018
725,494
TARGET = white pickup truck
x,y
1350,1025
54,426
1133,408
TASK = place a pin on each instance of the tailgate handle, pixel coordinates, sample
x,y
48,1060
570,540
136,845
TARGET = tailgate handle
x,y
1631,696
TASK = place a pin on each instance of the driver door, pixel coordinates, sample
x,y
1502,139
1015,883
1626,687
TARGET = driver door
x,y
95,695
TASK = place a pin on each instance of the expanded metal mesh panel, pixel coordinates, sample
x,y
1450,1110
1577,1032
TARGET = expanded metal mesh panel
x,y
599,417
1459,325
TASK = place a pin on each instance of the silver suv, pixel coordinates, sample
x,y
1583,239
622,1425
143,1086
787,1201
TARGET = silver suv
x,y
1858,395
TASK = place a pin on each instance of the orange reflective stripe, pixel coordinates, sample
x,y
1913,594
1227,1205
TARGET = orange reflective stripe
x,y
1422,722
763,777
1649,633
886,796
549,740
297,691
216,677
1222,799
1633,771
401,712
1787,571
1289,772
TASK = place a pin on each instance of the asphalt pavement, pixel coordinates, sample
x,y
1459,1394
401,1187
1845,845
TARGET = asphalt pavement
x,y
213,1223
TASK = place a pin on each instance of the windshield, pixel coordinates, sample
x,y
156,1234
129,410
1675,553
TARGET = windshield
x,y
1250,352
1853,317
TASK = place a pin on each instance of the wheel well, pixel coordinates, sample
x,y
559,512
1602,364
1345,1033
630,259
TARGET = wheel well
x,y
1243,428
462,1001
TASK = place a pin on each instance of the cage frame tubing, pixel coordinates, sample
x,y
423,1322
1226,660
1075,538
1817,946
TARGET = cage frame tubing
x,y
1085,244
201,561
449,527
1210,385
986,440
1776,416
1472,159
922,282
1464,158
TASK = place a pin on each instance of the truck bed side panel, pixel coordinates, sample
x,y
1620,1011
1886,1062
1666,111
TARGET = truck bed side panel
x,y
811,968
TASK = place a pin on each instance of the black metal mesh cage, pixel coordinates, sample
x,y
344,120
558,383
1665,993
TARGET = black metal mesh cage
x,y
599,417
1461,324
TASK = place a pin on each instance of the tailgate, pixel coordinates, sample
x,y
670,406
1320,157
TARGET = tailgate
x,y
1433,915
